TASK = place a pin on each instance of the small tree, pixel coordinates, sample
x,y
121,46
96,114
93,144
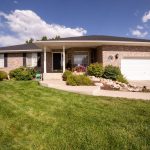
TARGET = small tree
x,y
44,38
57,37
30,41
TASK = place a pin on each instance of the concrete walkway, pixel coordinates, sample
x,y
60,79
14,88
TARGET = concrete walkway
x,y
141,83
94,90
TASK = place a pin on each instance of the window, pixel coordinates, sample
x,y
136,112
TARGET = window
x,y
81,58
1,60
31,59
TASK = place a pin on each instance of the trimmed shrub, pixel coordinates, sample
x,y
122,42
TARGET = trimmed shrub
x,y
66,74
114,73
111,72
77,80
22,73
95,69
71,80
33,72
122,79
3,75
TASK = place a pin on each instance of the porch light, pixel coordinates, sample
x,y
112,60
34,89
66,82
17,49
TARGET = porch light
x,y
117,56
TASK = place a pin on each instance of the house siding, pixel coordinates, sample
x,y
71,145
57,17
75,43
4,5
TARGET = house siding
x,y
123,52
48,62
99,55
14,60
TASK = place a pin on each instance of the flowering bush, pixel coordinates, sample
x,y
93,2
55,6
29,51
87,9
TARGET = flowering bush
x,y
80,69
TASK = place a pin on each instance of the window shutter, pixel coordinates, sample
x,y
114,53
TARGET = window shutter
x,y
93,55
5,60
39,60
34,59
1,60
24,59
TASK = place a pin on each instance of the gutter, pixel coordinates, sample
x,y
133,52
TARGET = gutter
x,y
30,50
100,42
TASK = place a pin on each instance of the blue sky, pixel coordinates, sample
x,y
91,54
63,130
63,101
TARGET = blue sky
x,y
21,19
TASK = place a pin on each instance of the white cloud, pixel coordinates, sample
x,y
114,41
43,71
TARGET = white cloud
x,y
140,27
146,17
25,24
9,40
139,33
142,30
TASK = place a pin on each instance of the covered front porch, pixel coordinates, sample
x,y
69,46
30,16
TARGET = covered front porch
x,y
61,55
56,61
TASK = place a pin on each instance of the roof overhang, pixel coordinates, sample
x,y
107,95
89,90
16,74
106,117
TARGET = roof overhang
x,y
16,51
69,43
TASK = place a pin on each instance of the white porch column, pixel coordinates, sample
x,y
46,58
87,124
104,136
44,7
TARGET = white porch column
x,y
45,60
64,62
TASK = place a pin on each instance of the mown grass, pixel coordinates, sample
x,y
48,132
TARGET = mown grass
x,y
34,117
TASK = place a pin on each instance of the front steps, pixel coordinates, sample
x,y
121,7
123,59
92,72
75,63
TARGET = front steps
x,y
52,76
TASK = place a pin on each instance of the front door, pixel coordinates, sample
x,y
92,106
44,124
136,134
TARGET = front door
x,y
57,62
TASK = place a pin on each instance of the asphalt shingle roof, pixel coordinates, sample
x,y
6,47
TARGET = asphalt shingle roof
x,y
32,46
21,47
101,38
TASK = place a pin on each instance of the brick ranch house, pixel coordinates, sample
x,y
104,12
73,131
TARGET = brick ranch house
x,y
52,56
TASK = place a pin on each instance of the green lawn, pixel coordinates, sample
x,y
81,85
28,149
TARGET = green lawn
x,y
34,117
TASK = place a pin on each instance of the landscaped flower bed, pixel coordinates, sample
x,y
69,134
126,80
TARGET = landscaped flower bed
x,y
79,69
108,78
108,84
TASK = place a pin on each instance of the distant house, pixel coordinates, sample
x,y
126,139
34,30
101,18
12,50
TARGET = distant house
x,y
52,56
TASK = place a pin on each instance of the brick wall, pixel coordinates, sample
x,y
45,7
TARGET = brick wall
x,y
14,60
99,55
123,52
49,62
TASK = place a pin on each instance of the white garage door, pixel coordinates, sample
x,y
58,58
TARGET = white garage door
x,y
136,69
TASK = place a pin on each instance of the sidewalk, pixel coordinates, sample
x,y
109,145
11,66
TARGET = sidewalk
x,y
94,90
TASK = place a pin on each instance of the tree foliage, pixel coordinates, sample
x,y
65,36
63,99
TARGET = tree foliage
x,y
44,38
57,37
30,41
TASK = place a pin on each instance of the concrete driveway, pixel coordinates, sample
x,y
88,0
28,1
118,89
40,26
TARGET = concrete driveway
x,y
141,83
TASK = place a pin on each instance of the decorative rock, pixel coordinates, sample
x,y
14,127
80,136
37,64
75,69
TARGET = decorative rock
x,y
99,84
94,79
108,84
115,85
